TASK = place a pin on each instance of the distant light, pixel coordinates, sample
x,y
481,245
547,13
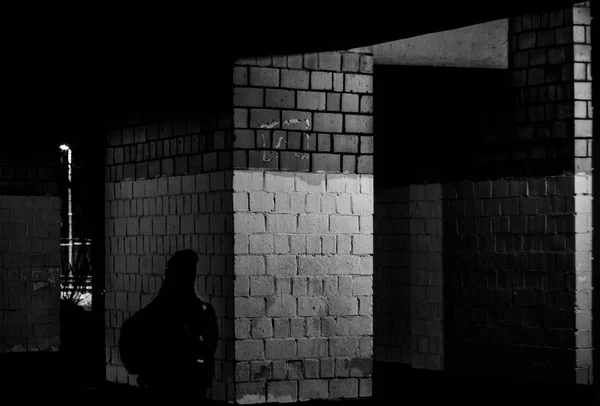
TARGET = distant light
x,y
64,147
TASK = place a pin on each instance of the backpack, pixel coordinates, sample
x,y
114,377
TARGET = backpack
x,y
134,342
142,345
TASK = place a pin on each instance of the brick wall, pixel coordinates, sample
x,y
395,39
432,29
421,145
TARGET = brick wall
x,y
176,145
303,205
303,285
29,273
309,112
426,295
167,191
29,247
299,141
517,246
510,261
516,224
29,170
392,275
583,278
408,276
583,113
549,56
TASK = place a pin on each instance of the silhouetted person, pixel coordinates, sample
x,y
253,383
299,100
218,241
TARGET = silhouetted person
x,y
170,343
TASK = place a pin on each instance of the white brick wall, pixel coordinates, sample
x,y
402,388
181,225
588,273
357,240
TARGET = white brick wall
x,y
303,285
146,222
583,277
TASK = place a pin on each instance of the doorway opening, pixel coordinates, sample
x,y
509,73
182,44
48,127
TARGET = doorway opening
x,y
434,125
81,308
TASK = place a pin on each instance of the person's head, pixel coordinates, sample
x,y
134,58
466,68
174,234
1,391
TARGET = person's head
x,y
181,268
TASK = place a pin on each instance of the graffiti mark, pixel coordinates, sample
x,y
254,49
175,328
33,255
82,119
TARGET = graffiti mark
x,y
265,158
290,121
302,156
278,145
264,141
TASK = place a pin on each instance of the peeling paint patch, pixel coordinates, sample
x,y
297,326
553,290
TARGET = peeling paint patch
x,y
296,121
270,125
287,122
291,121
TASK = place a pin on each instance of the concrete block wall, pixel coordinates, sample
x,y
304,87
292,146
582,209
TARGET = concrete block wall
x,y
176,145
166,192
549,56
583,112
517,293
426,295
276,194
303,206
517,246
550,60
408,276
29,247
303,113
510,263
392,276
29,170
303,285
517,238
583,278
29,273
515,220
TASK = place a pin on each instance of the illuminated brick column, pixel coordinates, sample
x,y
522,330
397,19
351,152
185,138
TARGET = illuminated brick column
x,y
303,207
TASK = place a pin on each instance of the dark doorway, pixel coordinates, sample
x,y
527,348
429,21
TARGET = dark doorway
x,y
433,126
82,255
